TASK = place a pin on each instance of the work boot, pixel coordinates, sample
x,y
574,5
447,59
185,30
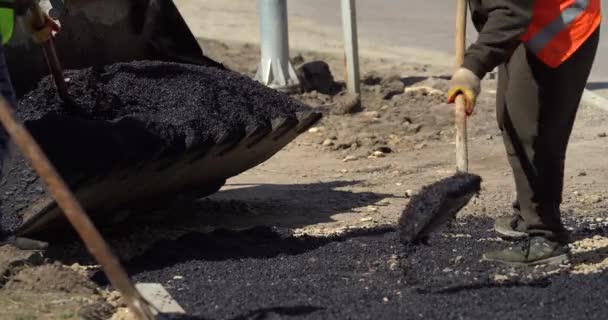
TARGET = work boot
x,y
531,251
510,227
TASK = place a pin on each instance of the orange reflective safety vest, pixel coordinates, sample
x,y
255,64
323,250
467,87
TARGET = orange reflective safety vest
x,y
560,27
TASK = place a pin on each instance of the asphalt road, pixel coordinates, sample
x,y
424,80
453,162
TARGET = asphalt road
x,y
412,23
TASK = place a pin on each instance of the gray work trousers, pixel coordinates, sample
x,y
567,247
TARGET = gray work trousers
x,y
536,106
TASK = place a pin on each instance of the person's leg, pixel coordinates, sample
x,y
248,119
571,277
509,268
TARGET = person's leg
x,y
8,93
560,97
511,226
6,86
541,106
538,112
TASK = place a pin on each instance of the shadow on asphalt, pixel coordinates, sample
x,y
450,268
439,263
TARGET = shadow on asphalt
x,y
585,232
263,313
284,205
222,244
598,254
281,311
265,273
591,257
597,85
540,283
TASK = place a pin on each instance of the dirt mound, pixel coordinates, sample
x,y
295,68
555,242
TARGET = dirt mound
x,y
11,257
401,113
51,291
402,121
317,76
50,277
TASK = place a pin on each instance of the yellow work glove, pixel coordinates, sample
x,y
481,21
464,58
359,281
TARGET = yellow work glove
x,y
40,35
464,82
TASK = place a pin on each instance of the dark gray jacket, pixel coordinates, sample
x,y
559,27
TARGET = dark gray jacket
x,y
500,24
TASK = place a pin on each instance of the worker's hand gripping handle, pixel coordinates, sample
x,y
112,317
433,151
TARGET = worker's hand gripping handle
x,y
462,151
39,22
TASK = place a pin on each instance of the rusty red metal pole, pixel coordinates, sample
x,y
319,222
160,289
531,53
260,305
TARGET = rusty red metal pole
x,y
74,213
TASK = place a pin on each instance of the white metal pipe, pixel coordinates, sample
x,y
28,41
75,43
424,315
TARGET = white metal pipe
x,y
351,45
275,69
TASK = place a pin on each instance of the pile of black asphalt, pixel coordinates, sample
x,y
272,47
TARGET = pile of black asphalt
x,y
126,114
264,273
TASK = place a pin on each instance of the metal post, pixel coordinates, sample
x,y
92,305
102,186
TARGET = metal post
x,y
275,69
351,45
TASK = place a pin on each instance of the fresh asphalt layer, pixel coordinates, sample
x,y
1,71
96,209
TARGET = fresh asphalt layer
x,y
263,273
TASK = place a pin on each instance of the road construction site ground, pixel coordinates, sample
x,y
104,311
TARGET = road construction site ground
x,y
310,233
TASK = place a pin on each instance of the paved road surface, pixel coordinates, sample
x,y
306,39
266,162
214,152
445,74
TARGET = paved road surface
x,y
427,24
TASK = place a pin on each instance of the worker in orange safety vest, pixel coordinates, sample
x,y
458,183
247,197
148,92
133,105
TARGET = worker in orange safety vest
x,y
544,51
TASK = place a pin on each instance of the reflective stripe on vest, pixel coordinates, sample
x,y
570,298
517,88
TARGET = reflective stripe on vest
x,y
7,19
560,27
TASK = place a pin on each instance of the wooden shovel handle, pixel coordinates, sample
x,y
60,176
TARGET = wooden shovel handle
x,y
50,54
462,150
461,30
